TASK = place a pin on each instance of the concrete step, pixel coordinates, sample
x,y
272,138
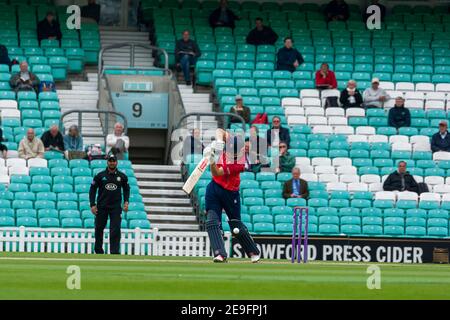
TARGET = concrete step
x,y
160,209
161,184
169,201
175,218
146,167
158,176
175,227
163,193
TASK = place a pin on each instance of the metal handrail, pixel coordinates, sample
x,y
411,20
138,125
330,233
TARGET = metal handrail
x,y
132,46
107,113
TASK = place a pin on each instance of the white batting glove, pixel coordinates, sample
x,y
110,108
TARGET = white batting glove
x,y
217,145
207,152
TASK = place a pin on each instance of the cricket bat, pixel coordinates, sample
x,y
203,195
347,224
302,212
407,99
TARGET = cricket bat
x,y
201,167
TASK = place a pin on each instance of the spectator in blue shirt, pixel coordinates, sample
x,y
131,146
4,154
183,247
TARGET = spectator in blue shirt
x,y
73,143
440,141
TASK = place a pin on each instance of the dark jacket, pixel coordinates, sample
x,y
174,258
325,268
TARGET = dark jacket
x,y
19,85
288,190
243,113
91,11
4,57
394,182
399,117
48,140
286,58
345,99
46,30
182,46
214,19
265,36
110,186
334,9
284,136
439,144
287,162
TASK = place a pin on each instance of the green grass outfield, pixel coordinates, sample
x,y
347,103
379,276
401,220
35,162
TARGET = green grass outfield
x,y
43,276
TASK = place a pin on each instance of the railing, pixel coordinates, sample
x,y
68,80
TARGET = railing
x,y
133,241
105,126
132,46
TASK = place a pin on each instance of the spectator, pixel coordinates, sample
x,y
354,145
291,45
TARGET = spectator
x,y
379,5
117,142
261,34
240,110
325,78
282,132
222,16
295,187
24,80
286,161
440,141
48,28
252,160
351,97
73,144
399,116
186,54
337,10
401,180
288,58
3,148
258,143
4,57
374,97
91,10
31,146
192,144
53,139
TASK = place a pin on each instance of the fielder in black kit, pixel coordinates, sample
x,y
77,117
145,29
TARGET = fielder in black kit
x,y
110,184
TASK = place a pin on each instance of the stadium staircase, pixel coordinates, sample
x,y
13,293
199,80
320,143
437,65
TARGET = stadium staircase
x,y
121,56
167,205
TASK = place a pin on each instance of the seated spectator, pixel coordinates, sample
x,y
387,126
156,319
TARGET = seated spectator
x,y
3,148
401,180
257,143
379,5
91,10
337,10
399,116
31,146
240,110
73,144
222,16
53,139
374,97
261,34
192,144
325,78
440,141
288,58
186,54
4,56
283,133
48,28
117,142
254,161
295,187
350,96
24,80
286,161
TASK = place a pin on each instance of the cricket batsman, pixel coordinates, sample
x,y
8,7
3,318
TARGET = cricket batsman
x,y
222,193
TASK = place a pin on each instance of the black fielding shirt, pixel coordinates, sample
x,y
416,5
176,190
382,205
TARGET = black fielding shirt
x,y
110,186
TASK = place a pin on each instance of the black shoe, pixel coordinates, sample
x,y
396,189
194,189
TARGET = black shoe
x,y
188,83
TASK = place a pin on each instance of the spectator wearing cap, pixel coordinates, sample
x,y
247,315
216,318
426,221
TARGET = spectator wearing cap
x,y
350,96
375,97
240,110
117,142
261,34
440,141
283,133
48,28
399,116
288,58
325,78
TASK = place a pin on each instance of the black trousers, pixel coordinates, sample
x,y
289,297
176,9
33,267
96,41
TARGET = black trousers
x,y
114,229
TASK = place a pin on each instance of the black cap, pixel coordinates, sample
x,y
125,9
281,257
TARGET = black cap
x,y
111,157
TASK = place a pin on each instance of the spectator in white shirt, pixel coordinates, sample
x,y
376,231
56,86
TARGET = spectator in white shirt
x,y
375,97
117,142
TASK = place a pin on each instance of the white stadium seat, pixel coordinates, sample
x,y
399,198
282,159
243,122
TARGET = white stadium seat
x,y
291,102
293,120
18,170
414,104
419,139
303,161
443,87
378,138
407,195
356,138
346,130
430,196
357,186
346,170
299,111
338,162
370,178
309,93
404,86
365,130
385,195
305,168
16,163
322,129
434,105
335,112
321,161
349,178
336,186
10,113
337,121
355,112
324,169
37,162
8,104
433,180
425,87
387,85
441,155
317,120
402,146
413,95
442,188
311,102
398,138
374,187
4,178
435,96
311,177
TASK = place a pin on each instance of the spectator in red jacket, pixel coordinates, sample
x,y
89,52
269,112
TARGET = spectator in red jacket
x,y
325,78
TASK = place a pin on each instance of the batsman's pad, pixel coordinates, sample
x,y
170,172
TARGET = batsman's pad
x,y
244,238
215,237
